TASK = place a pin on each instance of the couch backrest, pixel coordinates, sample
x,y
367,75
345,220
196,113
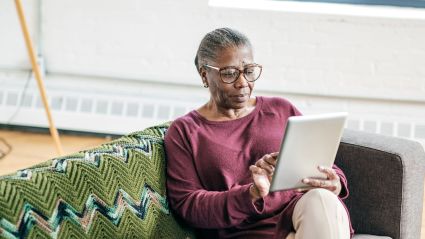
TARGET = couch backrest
x,y
386,181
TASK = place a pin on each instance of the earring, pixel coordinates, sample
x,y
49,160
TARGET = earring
x,y
205,85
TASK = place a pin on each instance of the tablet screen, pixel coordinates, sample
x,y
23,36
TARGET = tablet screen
x,y
309,141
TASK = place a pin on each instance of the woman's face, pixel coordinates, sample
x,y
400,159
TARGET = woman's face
x,y
237,94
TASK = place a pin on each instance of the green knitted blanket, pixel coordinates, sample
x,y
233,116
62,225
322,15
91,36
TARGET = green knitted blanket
x,y
116,190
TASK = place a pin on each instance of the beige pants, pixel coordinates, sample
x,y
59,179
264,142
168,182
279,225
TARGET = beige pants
x,y
320,215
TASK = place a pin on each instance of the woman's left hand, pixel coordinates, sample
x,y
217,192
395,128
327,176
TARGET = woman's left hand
x,y
332,183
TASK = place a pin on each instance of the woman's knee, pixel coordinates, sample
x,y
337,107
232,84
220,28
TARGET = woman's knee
x,y
318,199
320,194
320,211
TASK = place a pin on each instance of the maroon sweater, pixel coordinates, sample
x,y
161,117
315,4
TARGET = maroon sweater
x,y
208,173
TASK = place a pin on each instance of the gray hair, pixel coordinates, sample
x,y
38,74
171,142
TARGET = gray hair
x,y
217,40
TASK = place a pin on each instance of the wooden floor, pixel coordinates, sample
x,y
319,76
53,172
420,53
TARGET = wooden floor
x,y
32,148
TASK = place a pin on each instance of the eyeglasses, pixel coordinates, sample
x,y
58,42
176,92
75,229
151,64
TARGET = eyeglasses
x,y
230,74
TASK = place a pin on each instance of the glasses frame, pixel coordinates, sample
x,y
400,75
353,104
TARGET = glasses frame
x,y
236,68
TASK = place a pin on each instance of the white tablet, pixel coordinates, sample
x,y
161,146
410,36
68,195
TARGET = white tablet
x,y
309,141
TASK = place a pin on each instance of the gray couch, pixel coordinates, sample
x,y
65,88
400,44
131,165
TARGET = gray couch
x,y
385,178
386,182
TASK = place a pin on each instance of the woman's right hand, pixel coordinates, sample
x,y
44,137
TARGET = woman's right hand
x,y
262,173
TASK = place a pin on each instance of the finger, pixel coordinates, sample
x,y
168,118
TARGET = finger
x,y
300,190
257,170
330,172
265,165
318,182
258,163
268,167
254,169
270,160
274,154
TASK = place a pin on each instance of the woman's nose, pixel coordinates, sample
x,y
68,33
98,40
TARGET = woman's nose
x,y
241,82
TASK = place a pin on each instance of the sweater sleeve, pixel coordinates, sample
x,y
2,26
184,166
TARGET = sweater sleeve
x,y
344,185
188,198
273,201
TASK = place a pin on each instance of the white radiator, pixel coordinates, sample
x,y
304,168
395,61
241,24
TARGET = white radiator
x,y
78,105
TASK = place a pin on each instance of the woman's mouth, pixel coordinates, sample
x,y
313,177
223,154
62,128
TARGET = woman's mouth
x,y
240,97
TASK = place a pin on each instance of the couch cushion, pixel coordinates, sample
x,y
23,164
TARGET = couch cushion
x,y
364,236
111,191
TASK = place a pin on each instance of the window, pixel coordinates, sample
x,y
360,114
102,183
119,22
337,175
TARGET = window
x,y
397,3
409,9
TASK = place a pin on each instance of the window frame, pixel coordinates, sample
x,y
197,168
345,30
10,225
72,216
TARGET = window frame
x,y
392,3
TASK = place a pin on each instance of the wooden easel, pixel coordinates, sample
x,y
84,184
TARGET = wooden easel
x,y
37,73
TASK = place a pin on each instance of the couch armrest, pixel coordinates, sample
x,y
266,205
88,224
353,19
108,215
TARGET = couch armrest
x,y
386,182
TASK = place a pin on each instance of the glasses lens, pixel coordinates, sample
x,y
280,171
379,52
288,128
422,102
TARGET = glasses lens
x,y
252,73
229,75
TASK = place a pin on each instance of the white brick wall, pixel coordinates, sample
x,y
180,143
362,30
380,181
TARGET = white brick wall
x,y
371,67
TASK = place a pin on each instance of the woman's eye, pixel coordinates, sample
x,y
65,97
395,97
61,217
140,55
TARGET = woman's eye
x,y
228,73
249,70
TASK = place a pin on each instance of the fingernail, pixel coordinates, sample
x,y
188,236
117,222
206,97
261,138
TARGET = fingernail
x,y
321,167
305,180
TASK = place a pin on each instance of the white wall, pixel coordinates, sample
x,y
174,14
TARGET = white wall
x,y
142,51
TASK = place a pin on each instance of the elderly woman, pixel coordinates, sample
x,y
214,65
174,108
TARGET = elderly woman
x,y
221,156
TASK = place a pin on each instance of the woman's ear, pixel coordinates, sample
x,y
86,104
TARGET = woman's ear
x,y
203,74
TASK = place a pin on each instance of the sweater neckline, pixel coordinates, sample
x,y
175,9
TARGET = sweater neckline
x,y
258,105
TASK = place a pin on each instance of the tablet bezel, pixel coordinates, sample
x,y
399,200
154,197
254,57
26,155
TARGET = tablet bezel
x,y
330,126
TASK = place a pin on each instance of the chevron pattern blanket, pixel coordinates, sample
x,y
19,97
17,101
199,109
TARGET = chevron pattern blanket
x,y
116,190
